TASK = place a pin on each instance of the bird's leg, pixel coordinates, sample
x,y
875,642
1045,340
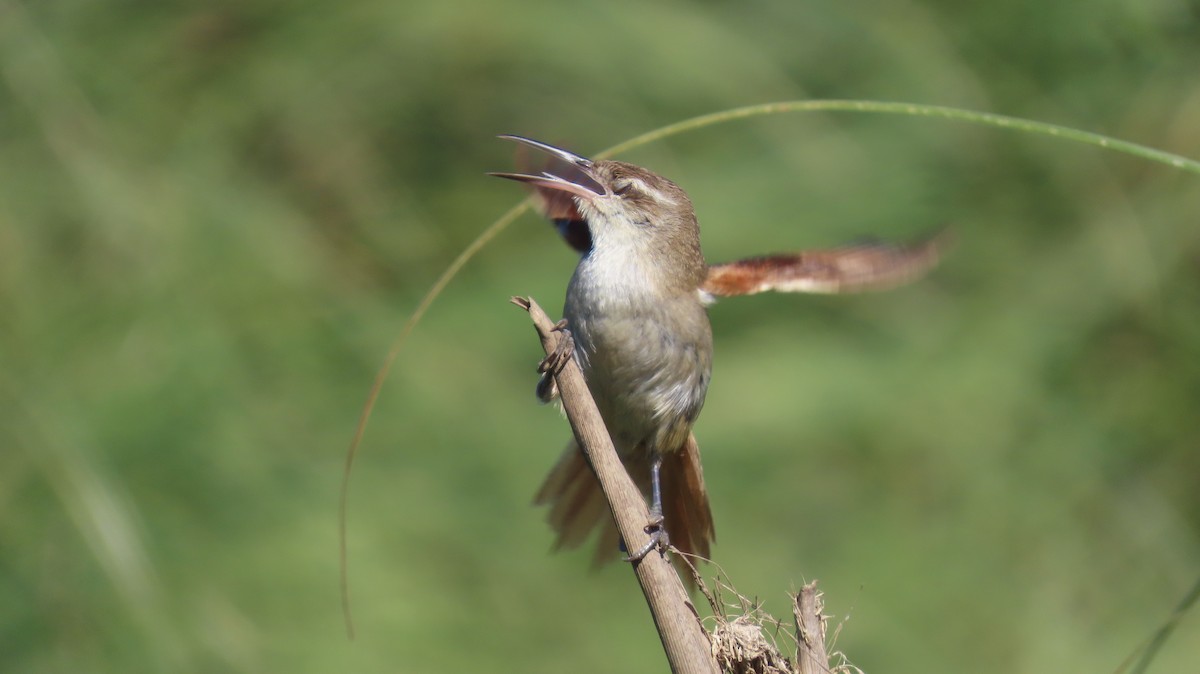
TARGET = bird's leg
x,y
658,534
554,362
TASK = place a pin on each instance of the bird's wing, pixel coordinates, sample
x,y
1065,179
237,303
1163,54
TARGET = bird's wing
x,y
854,268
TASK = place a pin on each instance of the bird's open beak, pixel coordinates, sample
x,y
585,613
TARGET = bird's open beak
x,y
576,177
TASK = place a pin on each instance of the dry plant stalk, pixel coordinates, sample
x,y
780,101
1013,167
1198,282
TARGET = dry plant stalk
x,y
810,630
745,636
739,645
678,622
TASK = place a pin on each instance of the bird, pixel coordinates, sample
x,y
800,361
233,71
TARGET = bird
x,y
636,317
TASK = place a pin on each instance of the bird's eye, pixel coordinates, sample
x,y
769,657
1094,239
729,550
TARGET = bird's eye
x,y
621,188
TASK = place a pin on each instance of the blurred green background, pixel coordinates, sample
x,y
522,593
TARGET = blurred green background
x,y
215,217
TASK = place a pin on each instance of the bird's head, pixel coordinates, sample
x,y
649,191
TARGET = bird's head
x,y
621,202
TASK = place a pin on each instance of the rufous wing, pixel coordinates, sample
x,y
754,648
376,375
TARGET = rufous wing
x,y
854,268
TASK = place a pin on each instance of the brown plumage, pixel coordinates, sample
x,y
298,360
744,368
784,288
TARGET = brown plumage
x,y
635,308
577,506
856,268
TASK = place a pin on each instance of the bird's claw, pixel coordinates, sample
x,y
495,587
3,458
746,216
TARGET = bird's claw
x,y
554,362
658,540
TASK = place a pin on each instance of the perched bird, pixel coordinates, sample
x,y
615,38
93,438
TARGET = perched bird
x,y
636,312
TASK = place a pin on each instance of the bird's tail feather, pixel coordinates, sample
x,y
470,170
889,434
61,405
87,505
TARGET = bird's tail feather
x,y
577,505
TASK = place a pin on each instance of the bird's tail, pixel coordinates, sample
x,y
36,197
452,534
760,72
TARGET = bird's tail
x,y
577,505
688,516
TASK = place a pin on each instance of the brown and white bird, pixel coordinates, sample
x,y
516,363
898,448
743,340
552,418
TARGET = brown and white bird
x,y
636,310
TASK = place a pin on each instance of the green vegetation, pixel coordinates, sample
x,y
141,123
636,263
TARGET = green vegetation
x,y
215,218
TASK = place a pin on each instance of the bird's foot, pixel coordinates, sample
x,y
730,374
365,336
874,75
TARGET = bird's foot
x,y
554,362
658,539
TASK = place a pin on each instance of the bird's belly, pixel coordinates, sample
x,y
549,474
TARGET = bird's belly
x,y
648,369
